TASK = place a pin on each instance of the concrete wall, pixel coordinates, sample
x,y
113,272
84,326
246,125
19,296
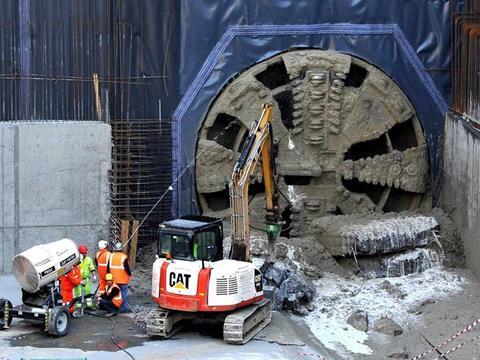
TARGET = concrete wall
x,y
53,184
460,194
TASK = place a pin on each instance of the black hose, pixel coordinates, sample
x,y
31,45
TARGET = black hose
x,y
113,330
281,193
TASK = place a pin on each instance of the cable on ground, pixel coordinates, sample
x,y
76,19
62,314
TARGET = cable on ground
x,y
112,337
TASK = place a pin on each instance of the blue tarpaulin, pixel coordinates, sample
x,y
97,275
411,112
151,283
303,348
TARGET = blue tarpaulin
x,y
408,40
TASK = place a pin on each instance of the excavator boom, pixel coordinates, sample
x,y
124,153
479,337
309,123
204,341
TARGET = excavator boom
x,y
259,144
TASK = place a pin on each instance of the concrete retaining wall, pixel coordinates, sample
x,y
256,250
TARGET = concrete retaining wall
x,y
53,184
460,194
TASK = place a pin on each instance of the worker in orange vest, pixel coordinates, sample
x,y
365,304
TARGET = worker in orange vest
x,y
67,282
120,269
101,261
111,299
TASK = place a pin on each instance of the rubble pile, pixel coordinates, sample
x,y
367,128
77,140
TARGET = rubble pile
x,y
141,283
291,289
140,314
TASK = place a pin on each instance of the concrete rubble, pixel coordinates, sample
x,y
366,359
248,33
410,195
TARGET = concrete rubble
x,y
407,262
293,291
387,326
359,320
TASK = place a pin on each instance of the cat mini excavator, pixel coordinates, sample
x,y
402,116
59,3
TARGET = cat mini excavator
x,y
190,278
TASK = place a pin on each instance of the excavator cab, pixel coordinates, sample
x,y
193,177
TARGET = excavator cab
x,y
191,238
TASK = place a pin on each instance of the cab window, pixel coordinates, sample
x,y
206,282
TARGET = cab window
x,y
176,245
204,240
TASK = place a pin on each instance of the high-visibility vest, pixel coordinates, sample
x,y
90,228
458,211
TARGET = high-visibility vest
x,y
117,269
102,257
117,300
86,267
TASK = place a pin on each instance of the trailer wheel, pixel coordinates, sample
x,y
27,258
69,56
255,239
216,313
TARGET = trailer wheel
x,y
58,321
8,317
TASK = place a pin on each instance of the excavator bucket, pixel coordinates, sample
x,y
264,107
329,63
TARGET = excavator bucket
x,y
273,231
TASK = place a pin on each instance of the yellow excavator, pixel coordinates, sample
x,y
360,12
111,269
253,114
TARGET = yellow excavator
x,y
190,278
259,143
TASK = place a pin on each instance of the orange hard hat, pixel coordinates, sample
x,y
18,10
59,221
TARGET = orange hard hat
x,y
82,249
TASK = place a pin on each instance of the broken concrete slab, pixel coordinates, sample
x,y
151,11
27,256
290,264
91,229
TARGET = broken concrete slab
x,y
344,235
393,265
293,290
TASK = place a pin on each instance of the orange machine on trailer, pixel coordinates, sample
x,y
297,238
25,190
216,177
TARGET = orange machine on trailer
x,y
190,278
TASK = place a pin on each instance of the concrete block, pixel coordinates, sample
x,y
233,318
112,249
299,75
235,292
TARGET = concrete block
x,y
393,265
367,235
460,195
54,184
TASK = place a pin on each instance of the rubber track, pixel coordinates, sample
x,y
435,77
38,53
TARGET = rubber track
x,y
242,325
161,323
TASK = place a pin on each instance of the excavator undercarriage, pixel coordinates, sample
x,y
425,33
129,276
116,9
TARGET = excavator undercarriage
x,y
239,326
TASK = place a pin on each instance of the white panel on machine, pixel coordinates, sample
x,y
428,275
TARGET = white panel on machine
x,y
231,282
156,270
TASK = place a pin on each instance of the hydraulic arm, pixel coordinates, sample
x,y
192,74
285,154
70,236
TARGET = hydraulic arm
x,y
259,144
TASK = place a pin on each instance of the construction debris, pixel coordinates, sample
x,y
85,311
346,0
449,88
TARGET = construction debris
x,y
405,263
387,326
141,283
397,299
359,320
292,290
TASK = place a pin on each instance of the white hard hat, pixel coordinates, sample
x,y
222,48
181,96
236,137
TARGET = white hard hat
x,y
118,246
102,244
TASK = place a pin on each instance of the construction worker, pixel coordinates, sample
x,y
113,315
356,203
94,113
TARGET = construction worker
x,y
87,268
101,261
120,269
67,282
111,299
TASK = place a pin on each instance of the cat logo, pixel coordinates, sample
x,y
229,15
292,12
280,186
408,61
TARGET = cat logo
x,y
179,281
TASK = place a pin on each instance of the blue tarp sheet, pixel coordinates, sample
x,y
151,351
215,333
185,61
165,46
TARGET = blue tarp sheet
x,y
408,40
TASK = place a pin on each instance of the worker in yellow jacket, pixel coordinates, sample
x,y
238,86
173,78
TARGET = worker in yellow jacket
x,y
87,268
111,300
